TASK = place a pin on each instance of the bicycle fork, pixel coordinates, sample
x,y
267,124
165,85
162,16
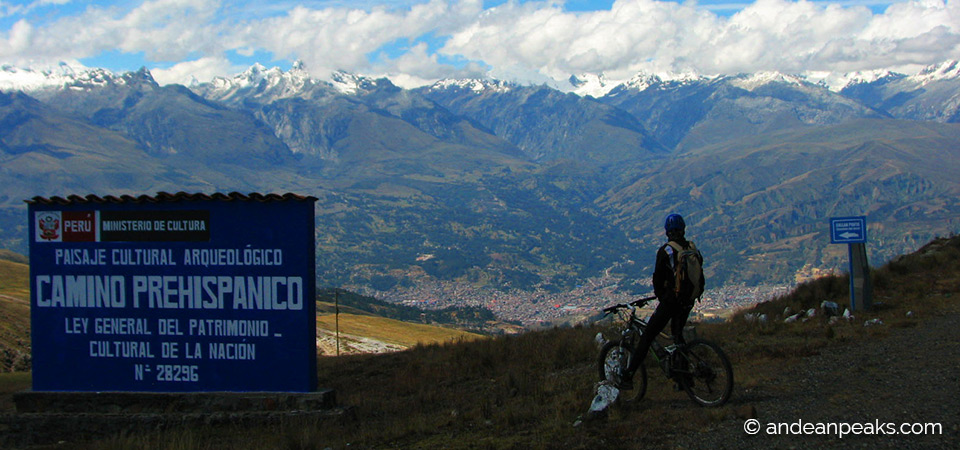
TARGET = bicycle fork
x,y
627,348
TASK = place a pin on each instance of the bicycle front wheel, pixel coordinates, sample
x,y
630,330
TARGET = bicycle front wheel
x,y
613,361
707,376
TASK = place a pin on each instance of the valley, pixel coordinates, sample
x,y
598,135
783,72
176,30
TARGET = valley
x,y
496,194
541,309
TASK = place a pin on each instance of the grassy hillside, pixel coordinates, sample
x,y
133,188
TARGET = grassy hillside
x,y
14,316
472,318
14,281
525,391
7,255
365,333
759,207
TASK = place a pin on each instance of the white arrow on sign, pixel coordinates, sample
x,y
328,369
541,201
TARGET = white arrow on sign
x,y
849,235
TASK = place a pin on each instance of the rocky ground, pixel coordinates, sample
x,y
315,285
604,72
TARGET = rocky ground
x,y
910,376
351,344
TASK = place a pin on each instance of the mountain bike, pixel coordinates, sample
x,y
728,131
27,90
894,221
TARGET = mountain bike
x,y
699,367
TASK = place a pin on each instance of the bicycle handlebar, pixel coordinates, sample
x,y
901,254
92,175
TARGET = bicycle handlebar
x,y
637,303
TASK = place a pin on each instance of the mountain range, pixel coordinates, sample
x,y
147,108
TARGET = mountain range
x,y
518,188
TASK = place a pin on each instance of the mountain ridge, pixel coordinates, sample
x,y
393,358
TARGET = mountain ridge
x,y
500,187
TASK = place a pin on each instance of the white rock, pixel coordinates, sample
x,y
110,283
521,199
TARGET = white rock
x,y
847,315
607,393
601,341
830,308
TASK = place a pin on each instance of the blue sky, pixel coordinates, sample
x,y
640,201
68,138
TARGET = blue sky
x,y
419,41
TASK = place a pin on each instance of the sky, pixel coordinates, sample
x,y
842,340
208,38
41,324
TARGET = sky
x,y
416,42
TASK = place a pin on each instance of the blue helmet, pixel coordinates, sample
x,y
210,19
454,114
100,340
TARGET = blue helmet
x,y
674,223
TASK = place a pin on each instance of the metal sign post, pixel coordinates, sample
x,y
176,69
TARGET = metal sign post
x,y
853,232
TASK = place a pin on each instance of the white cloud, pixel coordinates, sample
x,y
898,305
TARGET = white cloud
x,y
165,30
533,41
556,43
203,69
341,38
789,36
8,9
170,30
17,42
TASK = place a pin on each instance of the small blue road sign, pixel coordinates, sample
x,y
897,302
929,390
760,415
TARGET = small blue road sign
x,y
848,230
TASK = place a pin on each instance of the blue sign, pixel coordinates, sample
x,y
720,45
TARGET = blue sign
x,y
174,293
848,230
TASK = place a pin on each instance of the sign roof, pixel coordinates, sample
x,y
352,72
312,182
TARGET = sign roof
x,y
163,197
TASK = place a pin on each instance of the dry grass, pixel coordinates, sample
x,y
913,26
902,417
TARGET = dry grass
x,y
392,331
525,391
14,316
14,279
11,383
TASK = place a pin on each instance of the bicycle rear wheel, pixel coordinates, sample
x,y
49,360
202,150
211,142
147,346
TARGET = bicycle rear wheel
x,y
705,373
613,362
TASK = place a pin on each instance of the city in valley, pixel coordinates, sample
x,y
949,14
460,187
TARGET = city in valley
x,y
542,308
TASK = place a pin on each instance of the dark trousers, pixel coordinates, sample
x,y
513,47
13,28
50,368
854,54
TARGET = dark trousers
x,y
672,312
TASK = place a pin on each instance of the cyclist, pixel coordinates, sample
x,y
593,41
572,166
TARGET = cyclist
x,y
675,304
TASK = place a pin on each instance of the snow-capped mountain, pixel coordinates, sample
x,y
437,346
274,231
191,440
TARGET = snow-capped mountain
x,y
687,111
931,94
590,84
598,85
316,118
545,123
945,71
63,75
352,84
475,85
639,82
667,109
837,82
755,80
264,85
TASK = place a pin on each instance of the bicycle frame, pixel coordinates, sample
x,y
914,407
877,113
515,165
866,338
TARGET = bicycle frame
x,y
662,353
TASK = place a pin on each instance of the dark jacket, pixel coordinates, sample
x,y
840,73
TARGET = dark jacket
x,y
664,276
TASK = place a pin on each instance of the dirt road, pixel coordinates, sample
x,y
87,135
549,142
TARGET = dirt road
x,y
873,392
